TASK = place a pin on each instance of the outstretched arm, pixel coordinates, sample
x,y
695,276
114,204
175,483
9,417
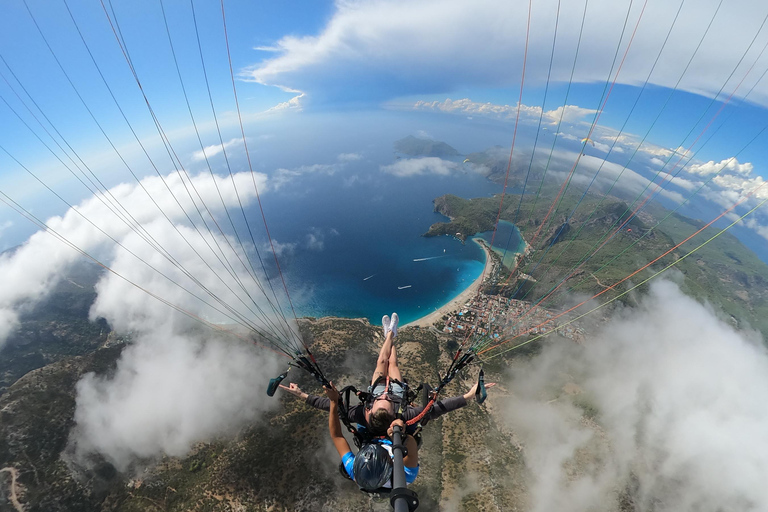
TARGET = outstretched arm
x,y
469,395
445,405
295,390
412,459
334,425
355,413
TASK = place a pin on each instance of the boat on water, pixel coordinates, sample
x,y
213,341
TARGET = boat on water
x,y
370,276
404,287
426,259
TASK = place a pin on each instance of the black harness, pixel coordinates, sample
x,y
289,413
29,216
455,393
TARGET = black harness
x,y
367,398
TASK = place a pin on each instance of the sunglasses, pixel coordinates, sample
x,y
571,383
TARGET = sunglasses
x,y
388,398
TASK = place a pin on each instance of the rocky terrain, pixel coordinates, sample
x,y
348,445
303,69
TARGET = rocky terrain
x,y
468,460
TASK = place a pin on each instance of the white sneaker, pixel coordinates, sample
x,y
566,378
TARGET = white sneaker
x,y
385,322
393,325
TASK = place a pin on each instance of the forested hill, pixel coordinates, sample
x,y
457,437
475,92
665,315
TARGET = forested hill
x,y
414,146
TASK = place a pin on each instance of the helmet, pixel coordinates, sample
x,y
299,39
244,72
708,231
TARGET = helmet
x,y
372,467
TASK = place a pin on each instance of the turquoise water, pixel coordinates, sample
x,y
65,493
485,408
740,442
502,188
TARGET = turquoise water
x,y
506,243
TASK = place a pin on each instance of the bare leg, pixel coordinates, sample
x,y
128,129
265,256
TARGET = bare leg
x,y
393,370
382,364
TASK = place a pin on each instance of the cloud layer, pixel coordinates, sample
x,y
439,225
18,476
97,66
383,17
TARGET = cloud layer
x,y
32,269
178,382
391,48
563,113
169,392
417,166
678,398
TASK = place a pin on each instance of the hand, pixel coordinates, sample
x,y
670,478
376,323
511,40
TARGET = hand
x,y
471,393
391,429
331,392
295,390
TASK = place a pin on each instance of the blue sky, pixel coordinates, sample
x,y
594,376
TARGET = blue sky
x,y
296,59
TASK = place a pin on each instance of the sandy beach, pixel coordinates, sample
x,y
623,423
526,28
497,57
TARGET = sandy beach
x,y
460,299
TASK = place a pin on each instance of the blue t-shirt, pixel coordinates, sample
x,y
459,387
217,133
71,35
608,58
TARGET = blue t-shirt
x,y
349,461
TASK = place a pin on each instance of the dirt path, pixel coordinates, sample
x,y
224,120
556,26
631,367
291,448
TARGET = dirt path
x,y
598,281
14,496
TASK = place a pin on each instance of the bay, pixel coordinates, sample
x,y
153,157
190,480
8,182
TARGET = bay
x,y
356,244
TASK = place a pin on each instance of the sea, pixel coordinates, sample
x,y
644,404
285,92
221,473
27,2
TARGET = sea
x,y
351,244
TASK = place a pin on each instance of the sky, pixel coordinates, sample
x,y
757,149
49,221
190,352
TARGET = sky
x,y
675,73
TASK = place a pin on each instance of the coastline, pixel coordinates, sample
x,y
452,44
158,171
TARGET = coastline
x,y
429,319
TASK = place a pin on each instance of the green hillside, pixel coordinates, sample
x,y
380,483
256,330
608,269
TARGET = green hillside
x,y
724,273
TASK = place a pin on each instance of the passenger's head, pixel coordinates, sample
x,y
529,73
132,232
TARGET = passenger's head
x,y
372,467
384,403
380,420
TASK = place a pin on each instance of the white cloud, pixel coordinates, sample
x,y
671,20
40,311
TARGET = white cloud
x,y
9,322
315,239
729,182
169,392
755,225
349,157
656,151
467,106
178,382
741,185
267,48
416,166
215,149
683,152
350,181
396,48
315,242
280,248
283,176
569,113
620,139
679,400
629,181
318,168
292,104
730,166
685,183
605,148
